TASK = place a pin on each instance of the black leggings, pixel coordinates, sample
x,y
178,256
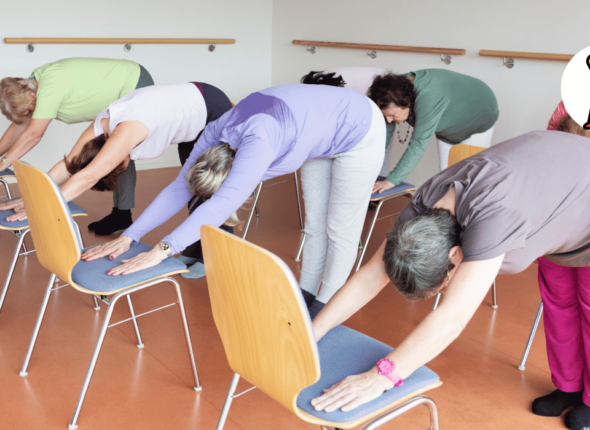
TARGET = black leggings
x,y
217,104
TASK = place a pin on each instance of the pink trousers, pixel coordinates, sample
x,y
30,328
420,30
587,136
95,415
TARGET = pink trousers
x,y
566,307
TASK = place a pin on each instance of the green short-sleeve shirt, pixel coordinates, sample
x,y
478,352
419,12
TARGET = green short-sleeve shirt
x,y
451,106
78,89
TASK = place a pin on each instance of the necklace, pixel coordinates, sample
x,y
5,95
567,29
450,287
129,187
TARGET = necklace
x,y
400,137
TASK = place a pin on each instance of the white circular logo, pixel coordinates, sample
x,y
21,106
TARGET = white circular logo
x,y
575,88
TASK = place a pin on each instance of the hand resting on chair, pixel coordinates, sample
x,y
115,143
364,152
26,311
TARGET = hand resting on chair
x,y
19,208
119,246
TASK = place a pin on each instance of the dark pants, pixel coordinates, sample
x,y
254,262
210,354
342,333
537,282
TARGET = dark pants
x,y
124,195
217,104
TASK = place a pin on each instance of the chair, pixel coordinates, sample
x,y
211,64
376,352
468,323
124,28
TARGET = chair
x,y
268,340
529,343
402,189
459,153
255,202
20,229
58,249
3,176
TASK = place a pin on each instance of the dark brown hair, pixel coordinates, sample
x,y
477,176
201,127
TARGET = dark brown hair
x,y
396,89
85,157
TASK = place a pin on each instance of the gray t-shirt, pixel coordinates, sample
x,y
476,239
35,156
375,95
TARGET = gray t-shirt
x,y
526,198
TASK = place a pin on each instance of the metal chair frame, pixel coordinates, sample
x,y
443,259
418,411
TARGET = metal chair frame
x,y
255,203
233,306
371,425
105,325
3,181
59,251
21,234
529,343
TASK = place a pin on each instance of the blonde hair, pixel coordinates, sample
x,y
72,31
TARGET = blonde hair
x,y
15,98
208,173
568,125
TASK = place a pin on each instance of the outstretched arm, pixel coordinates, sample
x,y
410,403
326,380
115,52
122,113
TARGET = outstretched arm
x,y
438,330
11,134
120,143
59,173
124,138
427,118
171,200
26,141
359,290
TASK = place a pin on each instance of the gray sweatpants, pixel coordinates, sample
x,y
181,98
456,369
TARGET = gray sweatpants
x,y
124,195
336,193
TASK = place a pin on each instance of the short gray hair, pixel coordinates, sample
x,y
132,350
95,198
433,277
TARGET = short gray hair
x,y
416,254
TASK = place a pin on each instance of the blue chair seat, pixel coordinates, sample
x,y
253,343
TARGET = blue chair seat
x,y
92,275
345,352
397,189
7,172
21,225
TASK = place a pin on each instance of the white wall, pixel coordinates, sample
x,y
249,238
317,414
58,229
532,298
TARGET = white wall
x,y
236,69
527,94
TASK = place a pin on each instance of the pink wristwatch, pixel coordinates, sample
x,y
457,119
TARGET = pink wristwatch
x,y
386,367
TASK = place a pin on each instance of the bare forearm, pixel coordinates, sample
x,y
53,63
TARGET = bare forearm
x,y
23,144
360,289
10,136
76,185
59,173
432,336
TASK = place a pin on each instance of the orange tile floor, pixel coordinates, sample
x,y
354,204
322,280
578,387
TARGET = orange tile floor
x,y
151,388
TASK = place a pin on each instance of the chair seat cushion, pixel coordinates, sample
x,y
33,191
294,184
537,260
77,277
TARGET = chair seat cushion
x,y
92,275
21,225
397,189
345,352
7,172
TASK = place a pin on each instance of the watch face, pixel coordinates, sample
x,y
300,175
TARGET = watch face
x,y
385,366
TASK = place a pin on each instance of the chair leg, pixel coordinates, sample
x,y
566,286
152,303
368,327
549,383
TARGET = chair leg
x,y
300,250
23,371
96,304
301,225
21,241
256,194
436,301
494,296
405,407
527,349
6,188
187,335
364,246
228,400
97,348
137,333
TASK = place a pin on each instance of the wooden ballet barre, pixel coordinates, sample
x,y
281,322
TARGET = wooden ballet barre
x,y
526,55
373,47
97,40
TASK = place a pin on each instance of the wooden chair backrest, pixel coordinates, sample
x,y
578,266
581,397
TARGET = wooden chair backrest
x,y
260,315
461,152
52,228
